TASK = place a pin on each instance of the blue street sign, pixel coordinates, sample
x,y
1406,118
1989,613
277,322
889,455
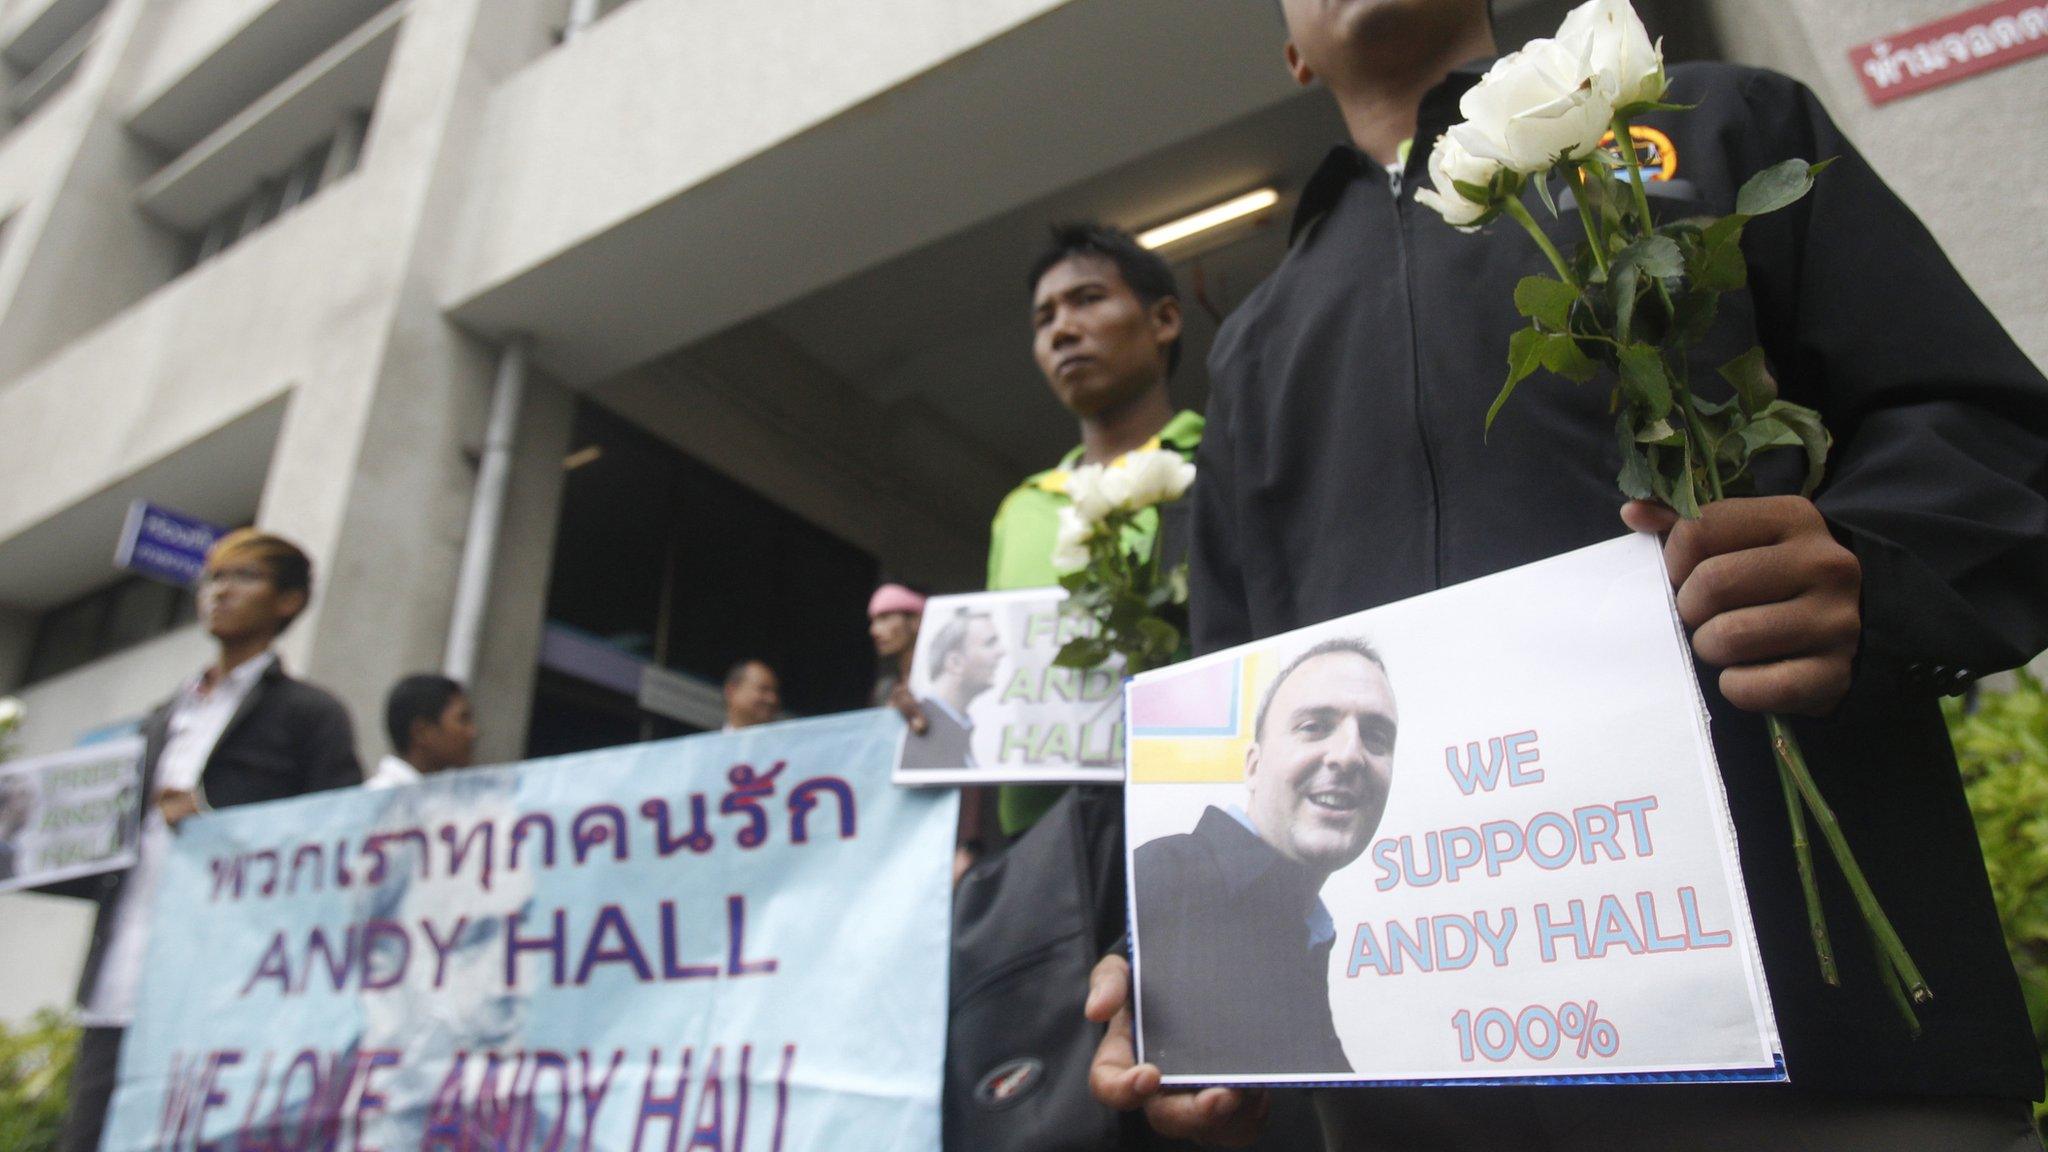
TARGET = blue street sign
x,y
165,545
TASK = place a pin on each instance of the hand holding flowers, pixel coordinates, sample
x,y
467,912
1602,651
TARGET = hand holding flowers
x,y
1630,305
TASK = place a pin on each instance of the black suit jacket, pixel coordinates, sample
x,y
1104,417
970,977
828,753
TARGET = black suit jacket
x,y
1229,982
945,743
288,738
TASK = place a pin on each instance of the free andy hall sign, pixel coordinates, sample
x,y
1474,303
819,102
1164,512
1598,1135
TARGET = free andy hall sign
x,y
1954,48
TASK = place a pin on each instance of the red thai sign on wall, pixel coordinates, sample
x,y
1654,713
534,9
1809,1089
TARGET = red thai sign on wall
x,y
1944,51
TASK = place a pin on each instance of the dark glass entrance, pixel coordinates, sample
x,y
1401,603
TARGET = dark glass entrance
x,y
662,563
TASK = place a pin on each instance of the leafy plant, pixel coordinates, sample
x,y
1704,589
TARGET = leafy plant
x,y
35,1081
2001,741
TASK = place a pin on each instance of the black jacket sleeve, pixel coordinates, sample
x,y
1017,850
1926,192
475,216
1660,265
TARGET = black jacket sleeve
x,y
1219,614
328,744
1939,474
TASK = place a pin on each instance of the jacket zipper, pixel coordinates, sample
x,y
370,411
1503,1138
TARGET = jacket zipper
x,y
1436,575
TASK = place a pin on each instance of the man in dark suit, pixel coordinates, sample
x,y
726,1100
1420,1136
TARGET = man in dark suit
x,y
964,657
240,732
1233,937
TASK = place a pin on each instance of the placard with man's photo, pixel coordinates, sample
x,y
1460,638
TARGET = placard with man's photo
x,y
997,708
69,814
1475,835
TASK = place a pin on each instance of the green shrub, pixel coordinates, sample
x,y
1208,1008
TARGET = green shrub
x,y
2001,741
35,1081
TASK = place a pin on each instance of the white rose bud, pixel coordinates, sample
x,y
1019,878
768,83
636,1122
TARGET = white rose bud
x,y
1627,65
1449,165
1535,107
1157,476
1070,544
1115,488
11,713
1084,489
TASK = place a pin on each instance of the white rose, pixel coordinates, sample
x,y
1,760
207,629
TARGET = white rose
x,y
1115,488
1535,107
1084,488
1628,66
11,713
1070,544
1156,476
1449,165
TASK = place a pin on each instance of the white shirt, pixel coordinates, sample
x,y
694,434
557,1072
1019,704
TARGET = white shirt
x,y
196,723
392,772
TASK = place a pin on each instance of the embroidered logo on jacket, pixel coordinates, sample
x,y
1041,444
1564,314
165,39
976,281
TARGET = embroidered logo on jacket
x,y
1009,1083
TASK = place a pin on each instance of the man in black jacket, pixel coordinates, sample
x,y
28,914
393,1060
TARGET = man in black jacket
x,y
1231,921
240,732
1351,390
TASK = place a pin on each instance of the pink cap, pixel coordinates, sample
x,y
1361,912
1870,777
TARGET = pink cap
x,y
894,598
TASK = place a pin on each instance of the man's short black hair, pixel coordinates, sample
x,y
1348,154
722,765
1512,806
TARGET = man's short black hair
x,y
1345,645
422,697
1149,276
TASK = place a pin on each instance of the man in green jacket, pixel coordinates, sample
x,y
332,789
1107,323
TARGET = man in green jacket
x,y
1106,326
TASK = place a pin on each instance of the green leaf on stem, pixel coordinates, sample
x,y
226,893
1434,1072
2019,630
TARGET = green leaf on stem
x,y
1642,106
1693,316
1751,378
1525,349
1659,432
1775,187
1766,433
1160,640
1718,265
1542,180
1562,355
1546,301
1082,652
1656,255
1621,292
1813,436
1638,479
1644,381
1682,499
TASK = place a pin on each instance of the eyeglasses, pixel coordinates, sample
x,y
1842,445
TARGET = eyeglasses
x,y
244,577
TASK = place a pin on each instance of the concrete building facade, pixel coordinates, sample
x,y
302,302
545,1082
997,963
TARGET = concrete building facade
x,y
267,261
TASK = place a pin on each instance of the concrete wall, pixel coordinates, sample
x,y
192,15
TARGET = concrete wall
x,y
1970,158
663,94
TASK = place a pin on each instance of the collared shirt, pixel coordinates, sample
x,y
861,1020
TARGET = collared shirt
x,y
1322,927
965,722
1346,465
202,712
393,772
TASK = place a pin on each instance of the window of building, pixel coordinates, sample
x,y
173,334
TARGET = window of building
x,y
116,617
320,166
44,53
672,563
239,156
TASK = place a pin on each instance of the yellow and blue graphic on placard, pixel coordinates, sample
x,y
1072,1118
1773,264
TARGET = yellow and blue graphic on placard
x,y
1194,727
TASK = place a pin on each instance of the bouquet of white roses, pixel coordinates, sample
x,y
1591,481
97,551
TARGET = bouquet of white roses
x,y
1135,605
1632,302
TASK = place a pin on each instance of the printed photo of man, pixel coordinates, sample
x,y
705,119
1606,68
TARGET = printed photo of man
x,y
1233,937
963,660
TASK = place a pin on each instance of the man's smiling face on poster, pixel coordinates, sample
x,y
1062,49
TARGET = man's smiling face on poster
x,y
1318,772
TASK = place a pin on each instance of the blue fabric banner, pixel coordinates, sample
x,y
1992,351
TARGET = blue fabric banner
x,y
731,941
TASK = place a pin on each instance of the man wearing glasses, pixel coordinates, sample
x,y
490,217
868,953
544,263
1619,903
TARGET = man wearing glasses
x,y
239,732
